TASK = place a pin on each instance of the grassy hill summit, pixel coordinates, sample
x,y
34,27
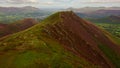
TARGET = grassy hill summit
x,y
63,40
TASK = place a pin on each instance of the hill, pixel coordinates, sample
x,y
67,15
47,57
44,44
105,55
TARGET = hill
x,y
26,9
12,14
63,40
110,23
2,25
85,9
104,13
96,12
113,19
20,25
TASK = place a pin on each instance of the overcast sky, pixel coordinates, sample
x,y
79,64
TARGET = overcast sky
x,y
61,3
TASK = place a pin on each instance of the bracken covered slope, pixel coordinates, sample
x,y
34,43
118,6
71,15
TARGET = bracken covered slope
x,y
20,25
63,40
2,25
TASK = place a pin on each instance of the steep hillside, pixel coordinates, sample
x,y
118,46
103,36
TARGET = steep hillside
x,y
16,27
2,25
63,40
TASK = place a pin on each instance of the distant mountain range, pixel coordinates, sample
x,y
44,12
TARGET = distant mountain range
x,y
96,12
62,40
26,9
12,14
92,9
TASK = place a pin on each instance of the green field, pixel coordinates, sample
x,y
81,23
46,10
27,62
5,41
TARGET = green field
x,y
114,29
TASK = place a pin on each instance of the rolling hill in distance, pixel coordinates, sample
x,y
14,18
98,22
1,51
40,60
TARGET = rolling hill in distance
x,y
2,25
92,9
9,15
26,9
62,40
6,29
109,19
96,12
12,14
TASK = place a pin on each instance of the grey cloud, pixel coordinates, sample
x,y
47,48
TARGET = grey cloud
x,y
63,0
21,1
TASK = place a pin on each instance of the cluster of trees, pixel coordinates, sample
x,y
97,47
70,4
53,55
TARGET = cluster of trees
x,y
114,29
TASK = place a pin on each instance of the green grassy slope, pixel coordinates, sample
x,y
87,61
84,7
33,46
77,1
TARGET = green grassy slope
x,y
34,49
111,54
114,29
